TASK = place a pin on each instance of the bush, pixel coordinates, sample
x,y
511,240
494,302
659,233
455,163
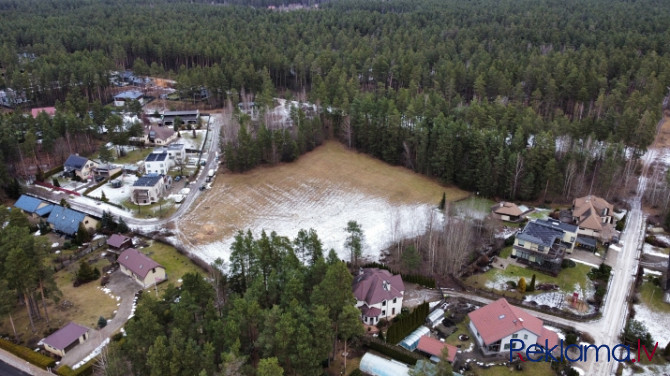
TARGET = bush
x,y
395,352
522,285
85,274
102,322
407,324
85,370
55,182
531,287
567,263
356,372
27,354
511,284
570,339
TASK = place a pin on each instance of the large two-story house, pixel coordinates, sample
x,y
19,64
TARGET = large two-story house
x,y
149,189
593,215
378,294
543,244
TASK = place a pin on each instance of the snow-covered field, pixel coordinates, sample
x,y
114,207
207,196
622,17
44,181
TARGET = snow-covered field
x,y
190,142
653,251
378,219
116,195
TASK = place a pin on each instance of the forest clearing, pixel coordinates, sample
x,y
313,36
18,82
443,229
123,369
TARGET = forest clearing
x,y
323,190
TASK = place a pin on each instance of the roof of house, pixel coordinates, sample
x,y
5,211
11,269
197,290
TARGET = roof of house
x,y
137,262
75,162
117,240
583,204
130,94
181,113
156,157
51,111
508,208
549,336
552,223
370,312
434,347
162,133
590,219
147,181
500,319
176,146
28,203
65,336
376,285
65,220
540,234
44,210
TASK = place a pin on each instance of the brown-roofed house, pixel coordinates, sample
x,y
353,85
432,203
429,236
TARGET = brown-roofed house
x,y
433,348
118,242
141,268
65,338
592,214
509,211
494,325
378,294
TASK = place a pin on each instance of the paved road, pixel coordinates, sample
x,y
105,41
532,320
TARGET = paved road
x,y
7,370
11,365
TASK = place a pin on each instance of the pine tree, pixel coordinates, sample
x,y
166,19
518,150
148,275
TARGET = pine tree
x,y
443,201
531,287
522,285
103,198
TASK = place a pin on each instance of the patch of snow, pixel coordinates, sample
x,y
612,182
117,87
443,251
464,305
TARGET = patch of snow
x,y
558,332
92,355
653,251
652,272
54,245
431,305
656,323
38,233
506,232
190,142
665,238
116,195
584,262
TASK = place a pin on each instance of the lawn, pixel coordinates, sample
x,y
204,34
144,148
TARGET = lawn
x,y
461,328
652,296
162,209
529,368
176,264
566,279
83,304
474,207
506,252
133,156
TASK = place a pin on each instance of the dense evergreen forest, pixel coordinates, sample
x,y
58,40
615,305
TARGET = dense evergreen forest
x,y
519,99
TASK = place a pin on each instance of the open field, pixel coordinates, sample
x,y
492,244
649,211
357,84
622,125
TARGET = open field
x,y
322,190
83,304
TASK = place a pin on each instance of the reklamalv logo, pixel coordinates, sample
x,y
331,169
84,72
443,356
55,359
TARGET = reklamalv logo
x,y
620,352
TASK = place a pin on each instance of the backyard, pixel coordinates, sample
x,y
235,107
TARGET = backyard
x,y
176,264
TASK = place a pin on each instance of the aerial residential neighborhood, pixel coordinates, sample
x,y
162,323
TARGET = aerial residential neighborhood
x,y
334,187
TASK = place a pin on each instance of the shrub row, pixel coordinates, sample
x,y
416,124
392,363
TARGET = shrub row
x,y
43,175
85,370
406,324
105,181
27,354
395,352
412,278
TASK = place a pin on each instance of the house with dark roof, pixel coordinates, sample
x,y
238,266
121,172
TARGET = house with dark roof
x,y
187,117
66,220
509,211
141,268
33,206
593,215
542,244
378,294
149,189
128,96
118,243
106,170
495,325
156,135
65,339
157,162
80,166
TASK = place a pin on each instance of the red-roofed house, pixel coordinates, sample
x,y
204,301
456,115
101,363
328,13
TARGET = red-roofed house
x,y
141,268
494,325
378,294
118,242
51,111
65,338
433,348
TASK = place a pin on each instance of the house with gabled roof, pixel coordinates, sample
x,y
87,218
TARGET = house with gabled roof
x,y
66,220
80,166
118,242
128,96
592,214
433,348
543,244
141,268
33,206
65,339
509,211
378,294
496,324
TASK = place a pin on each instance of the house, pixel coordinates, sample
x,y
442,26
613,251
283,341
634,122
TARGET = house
x,y
593,215
33,206
187,117
494,325
157,162
542,244
51,111
377,366
106,170
118,242
378,294
10,98
509,211
149,189
79,166
66,220
65,339
141,268
155,135
122,98
433,348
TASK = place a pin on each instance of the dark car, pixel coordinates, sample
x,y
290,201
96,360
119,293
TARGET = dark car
x,y
177,178
203,187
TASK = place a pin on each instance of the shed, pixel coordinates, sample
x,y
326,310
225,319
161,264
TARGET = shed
x,y
435,317
65,338
118,242
412,341
378,366
433,348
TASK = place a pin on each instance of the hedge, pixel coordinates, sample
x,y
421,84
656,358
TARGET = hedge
x,y
395,352
27,354
43,175
404,325
412,278
85,370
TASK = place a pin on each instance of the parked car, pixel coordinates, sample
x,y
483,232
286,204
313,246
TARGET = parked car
x,y
177,178
203,187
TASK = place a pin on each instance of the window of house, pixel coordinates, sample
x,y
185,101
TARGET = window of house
x,y
507,346
520,243
384,303
515,335
525,336
392,311
384,313
394,300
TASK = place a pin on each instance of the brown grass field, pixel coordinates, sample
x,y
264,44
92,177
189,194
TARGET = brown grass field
x,y
237,200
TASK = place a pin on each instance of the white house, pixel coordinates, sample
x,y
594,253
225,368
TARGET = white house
x,y
378,294
141,268
157,162
149,189
494,325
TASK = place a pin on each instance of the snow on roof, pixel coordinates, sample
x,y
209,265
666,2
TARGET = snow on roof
x,y
130,94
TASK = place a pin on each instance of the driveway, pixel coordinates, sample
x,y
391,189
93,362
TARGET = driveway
x,y
122,286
